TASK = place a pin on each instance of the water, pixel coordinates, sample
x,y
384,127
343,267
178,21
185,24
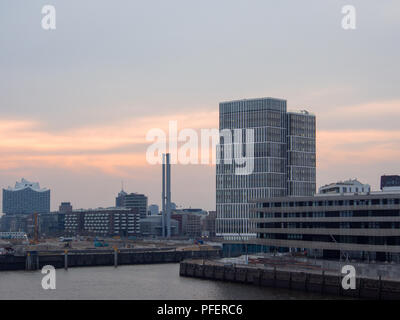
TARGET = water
x,y
152,282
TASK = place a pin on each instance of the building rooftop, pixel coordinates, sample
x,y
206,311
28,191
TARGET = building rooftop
x,y
25,184
350,182
333,196
303,112
101,209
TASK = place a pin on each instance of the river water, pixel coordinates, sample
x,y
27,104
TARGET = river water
x,y
152,282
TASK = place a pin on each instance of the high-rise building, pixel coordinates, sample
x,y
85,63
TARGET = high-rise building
x,y
301,154
26,198
283,160
120,199
136,200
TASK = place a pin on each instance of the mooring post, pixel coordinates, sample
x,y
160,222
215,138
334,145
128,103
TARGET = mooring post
x,y
260,276
380,288
28,261
115,257
66,259
306,283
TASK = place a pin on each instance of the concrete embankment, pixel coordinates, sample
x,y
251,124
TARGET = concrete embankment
x,y
36,260
324,283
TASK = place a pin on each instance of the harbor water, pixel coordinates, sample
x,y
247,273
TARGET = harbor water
x,y
137,282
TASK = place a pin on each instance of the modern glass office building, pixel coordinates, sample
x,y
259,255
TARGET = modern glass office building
x,y
26,198
281,147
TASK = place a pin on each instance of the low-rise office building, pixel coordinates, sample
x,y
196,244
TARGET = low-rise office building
x,y
51,224
152,227
208,225
103,222
390,183
65,207
355,226
14,223
189,221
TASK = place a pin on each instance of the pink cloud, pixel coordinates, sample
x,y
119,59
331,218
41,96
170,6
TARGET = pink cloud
x,y
26,143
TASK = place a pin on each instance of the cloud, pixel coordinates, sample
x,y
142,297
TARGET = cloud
x,y
108,147
116,148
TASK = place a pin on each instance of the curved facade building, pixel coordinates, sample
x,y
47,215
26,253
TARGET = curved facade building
x,y
26,198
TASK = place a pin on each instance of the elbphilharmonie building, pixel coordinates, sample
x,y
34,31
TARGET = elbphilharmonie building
x,y
26,198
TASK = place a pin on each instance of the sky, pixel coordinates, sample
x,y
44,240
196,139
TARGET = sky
x,y
77,102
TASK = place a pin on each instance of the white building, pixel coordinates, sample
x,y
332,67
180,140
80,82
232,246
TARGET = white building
x,y
348,186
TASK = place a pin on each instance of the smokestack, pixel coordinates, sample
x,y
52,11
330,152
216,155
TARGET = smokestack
x,y
168,196
163,217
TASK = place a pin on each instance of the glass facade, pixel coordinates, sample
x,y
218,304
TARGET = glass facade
x,y
283,160
26,201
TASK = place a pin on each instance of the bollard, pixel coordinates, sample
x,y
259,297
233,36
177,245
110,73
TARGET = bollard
x,y
28,261
66,259
380,288
260,277
115,257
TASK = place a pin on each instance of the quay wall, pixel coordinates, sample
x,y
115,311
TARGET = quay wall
x,y
35,261
329,284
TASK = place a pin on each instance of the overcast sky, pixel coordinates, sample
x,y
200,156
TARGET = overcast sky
x,y
77,102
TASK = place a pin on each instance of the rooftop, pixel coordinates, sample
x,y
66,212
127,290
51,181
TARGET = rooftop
x,y
25,184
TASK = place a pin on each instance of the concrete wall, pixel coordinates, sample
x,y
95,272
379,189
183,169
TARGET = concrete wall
x,y
37,261
304,281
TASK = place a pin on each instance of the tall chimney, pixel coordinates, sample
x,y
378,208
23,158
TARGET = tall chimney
x,y
168,196
163,217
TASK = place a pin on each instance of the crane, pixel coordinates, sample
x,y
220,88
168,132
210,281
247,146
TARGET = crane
x,y
35,239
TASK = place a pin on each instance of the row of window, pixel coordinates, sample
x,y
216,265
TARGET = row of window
x,y
329,203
